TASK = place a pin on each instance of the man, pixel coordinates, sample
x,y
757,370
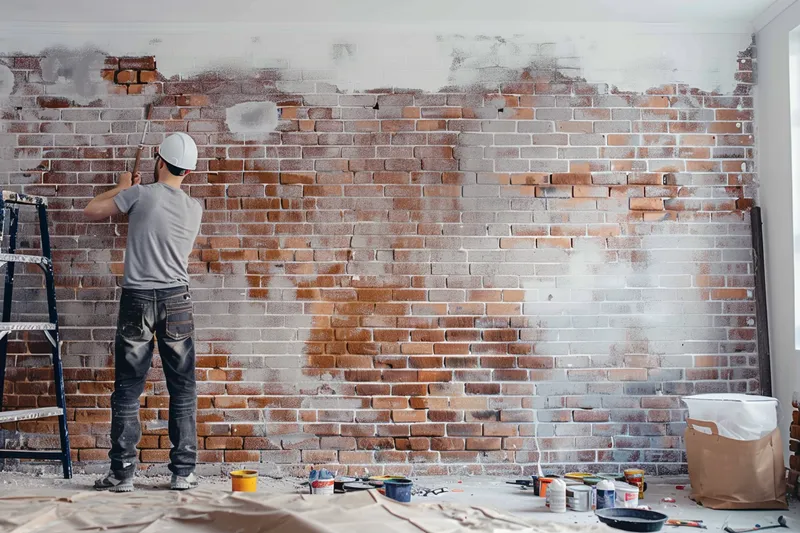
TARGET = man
x,y
163,222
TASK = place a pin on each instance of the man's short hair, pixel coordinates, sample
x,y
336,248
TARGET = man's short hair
x,y
175,171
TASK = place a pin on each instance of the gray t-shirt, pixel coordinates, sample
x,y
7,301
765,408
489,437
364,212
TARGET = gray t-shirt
x,y
163,223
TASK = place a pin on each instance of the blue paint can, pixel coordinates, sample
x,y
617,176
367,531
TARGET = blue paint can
x,y
398,489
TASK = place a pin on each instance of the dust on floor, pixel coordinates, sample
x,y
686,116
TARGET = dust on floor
x,y
483,491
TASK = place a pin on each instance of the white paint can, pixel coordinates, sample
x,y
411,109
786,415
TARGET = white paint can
x,y
626,496
579,498
557,494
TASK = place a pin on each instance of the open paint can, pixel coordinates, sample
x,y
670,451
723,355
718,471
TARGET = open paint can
x,y
398,489
244,480
577,475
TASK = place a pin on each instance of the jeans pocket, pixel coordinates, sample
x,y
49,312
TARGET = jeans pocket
x,y
180,320
131,320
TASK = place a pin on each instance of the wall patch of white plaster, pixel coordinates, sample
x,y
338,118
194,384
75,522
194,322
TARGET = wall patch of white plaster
x,y
74,73
6,81
630,56
252,117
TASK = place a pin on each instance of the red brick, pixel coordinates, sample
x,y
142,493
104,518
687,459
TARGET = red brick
x,y
647,204
483,443
224,443
138,63
127,76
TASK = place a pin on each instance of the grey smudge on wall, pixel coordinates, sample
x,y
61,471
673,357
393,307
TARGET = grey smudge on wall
x,y
252,117
75,73
343,50
6,81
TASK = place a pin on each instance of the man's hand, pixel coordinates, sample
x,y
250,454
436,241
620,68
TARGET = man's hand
x,y
103,205
126,181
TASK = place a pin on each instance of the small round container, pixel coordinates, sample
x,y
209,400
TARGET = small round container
x,y
605,494
398,489
611,477
557,493
577,475
244,480
634,476
339,483
626,496
592,482
579,498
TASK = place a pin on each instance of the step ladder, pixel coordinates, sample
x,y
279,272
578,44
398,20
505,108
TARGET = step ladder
x,y
11,202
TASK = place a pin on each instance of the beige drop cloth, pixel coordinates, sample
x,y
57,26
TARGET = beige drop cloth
x,y
208,511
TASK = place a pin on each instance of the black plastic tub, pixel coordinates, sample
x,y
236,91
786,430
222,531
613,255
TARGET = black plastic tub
x,y
632,519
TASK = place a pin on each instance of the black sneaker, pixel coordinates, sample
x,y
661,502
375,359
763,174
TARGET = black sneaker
x,y
113,484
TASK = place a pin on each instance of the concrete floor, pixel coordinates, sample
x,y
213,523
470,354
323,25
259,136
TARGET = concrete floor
x,y
477,490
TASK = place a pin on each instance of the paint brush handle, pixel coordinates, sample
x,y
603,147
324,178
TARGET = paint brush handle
x,y
138,159
686,523
147,112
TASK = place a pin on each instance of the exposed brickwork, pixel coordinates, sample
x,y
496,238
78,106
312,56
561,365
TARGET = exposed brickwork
x,y
410,282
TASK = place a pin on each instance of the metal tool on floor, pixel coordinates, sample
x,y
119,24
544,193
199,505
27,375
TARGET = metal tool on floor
x,y
11,202
781,523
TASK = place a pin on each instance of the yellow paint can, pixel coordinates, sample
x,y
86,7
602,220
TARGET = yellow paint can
x,y
244,480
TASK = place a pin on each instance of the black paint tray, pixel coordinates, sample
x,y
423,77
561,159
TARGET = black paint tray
x,y
632,519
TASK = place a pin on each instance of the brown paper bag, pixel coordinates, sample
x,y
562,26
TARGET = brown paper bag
x,y
735,474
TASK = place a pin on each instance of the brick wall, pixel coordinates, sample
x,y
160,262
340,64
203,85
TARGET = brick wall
x,y
408,282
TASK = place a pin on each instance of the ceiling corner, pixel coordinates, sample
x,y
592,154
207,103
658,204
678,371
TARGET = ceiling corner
x,y
769,14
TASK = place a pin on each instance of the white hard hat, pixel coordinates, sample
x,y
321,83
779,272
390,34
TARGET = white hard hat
x,y
179,150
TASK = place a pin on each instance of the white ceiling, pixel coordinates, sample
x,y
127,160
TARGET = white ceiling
x,y
387,11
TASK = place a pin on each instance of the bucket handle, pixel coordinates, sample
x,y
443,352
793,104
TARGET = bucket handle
x,y
712,426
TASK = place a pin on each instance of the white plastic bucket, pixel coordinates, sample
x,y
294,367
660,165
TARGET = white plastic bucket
x,y
738,416
626,496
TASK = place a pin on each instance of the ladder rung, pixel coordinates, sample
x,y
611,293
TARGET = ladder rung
x,y
31,454
20,198
29,414
20,258
27,326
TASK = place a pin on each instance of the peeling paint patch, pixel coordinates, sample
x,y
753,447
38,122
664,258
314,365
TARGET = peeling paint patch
x,y
252,117
6,81
74,73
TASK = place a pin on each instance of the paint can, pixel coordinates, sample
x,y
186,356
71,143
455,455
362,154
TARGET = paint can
x,y
577,475
611,477
399,489
544,482
579,498
244,480
340,481
626,496
321,482
557,492
357,486
592,482
605,494
634,476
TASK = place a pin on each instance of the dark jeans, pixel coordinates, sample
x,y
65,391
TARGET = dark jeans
x,y
167,314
